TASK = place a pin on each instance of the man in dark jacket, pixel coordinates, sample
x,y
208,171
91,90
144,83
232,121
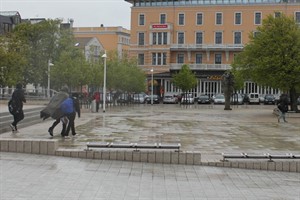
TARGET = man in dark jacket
x,y
283,106
17,100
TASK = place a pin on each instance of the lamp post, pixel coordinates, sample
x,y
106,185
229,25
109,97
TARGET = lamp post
x,y
104,80
48,90
151,86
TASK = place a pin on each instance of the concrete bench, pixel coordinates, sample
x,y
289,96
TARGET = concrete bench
x,y
136,146
263,156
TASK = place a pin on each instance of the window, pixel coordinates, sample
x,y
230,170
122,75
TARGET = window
x,y
277,14
199,38
180,58
180,38
218,18
218,38
141,39
159,58
255,33
163,18
218,58
159,38
141,19
297,17
141,59
199,19
237,38
238,18
181,19
257,20
198,58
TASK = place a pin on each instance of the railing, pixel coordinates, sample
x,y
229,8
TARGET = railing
x,y
202,66
236,47
5,93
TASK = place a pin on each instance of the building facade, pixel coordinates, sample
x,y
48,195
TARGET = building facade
x,y
205,34
111,38
8,20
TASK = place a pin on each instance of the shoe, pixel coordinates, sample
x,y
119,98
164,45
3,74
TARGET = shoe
x,y
50,131
74,134
12,127
285,121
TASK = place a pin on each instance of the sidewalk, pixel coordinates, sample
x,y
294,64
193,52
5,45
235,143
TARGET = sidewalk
x,y
209,130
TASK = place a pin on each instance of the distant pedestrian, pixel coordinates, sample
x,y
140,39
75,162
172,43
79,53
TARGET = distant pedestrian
x,y
96,97
283,106
16,106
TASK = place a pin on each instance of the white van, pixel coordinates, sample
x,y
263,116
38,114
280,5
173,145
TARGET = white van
x,y
254,98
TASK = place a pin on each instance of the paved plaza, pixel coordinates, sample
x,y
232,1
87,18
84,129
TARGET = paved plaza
x,y
204,128
36,177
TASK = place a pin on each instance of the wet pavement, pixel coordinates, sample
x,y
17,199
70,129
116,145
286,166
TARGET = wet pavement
x,y
208,129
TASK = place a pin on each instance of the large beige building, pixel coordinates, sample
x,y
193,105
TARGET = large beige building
x,y
205,34
110,38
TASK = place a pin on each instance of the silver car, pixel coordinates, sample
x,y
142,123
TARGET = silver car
x,y
219,99
170,98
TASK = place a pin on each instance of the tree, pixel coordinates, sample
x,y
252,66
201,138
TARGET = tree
x,y
272,57
41,42
185,79
12,61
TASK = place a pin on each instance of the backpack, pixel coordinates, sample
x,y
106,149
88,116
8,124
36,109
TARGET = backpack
x,y
67,106
12,106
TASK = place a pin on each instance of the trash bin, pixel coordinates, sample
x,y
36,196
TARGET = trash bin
x,y
93,106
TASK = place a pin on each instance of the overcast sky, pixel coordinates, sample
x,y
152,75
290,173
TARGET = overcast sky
x,y
90,13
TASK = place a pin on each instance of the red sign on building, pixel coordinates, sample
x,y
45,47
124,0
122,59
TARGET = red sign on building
x,y
160,26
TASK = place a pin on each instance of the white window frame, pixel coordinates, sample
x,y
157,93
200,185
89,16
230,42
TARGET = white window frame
x,y
234,41
216,18
179,19
260,21
201,19
235,15
160,15
144,22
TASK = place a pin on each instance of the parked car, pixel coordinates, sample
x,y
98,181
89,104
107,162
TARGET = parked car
x,y
123,98
269,99
261,98
204,99
139,98
237,99
170,98
254,98
187,99
219,99
155,99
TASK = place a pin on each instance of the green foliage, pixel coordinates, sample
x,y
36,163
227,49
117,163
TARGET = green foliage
x,y
12,61
272,57
185,79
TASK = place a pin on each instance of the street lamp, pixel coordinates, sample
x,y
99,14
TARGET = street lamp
x,y
104,80
151,86
49,65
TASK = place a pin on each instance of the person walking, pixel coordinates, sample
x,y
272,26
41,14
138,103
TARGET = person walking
x,y
96,97
16,106
69,107
53,110
283,106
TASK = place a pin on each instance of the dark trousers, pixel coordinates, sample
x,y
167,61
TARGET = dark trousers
x,y
71,124
18,117
97,106
57,121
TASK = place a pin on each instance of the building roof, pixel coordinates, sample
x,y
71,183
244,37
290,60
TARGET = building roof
x,y
83,41
9,13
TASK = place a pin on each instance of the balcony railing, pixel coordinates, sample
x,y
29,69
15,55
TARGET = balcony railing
x,y
236,47
224,67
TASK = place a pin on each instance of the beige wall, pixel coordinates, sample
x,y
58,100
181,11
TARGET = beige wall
x,y
152,15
